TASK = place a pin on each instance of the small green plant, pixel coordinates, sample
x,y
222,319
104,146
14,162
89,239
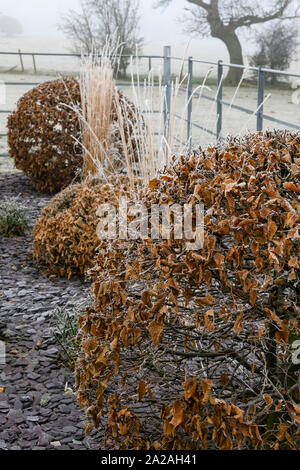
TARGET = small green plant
x,y
13,217
65,329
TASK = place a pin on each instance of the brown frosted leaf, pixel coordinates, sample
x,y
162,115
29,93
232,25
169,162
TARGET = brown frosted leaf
x,y
282,336
113,344
291,219
238,326
268,400
292,187
207,300
190,387
173,284
90,345
168,428
219,260
102,357
206,387
153,183
177,413
146,299
155,329
253,296
270,228
237,412
292,275
273,316
141,390
293,263
224,379
207,322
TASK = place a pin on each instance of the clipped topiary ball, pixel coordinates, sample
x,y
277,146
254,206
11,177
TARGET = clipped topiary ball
x,y
41,134
44,134
64,237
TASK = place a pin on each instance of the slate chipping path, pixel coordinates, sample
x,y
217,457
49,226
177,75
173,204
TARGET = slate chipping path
x,y
35,411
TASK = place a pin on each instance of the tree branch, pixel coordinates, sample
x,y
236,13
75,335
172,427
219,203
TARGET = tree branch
x,y
206,6
251,19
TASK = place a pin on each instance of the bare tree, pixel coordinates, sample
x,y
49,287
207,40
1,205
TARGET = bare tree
x,y
277,46
100,21
223,18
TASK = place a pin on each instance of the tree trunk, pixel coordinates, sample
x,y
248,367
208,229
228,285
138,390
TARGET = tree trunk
x,y
234,47
227,34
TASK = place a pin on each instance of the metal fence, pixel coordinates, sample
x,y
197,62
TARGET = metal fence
x,y
167,59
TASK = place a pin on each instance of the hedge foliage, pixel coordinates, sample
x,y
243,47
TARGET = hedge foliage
x,y
194,349
64,237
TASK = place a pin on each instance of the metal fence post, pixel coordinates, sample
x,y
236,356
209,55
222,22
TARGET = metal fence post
x,y
219,99
167,84
190,101
21,60
260,100
34,64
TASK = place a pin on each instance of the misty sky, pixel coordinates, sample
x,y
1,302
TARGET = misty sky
x,y
159,27
40,17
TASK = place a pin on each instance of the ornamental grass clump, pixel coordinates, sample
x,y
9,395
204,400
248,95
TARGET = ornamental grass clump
x,y
110,122
65,329
65,239
197,349
13,217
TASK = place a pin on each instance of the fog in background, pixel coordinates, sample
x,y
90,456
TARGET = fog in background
x,y
159,27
